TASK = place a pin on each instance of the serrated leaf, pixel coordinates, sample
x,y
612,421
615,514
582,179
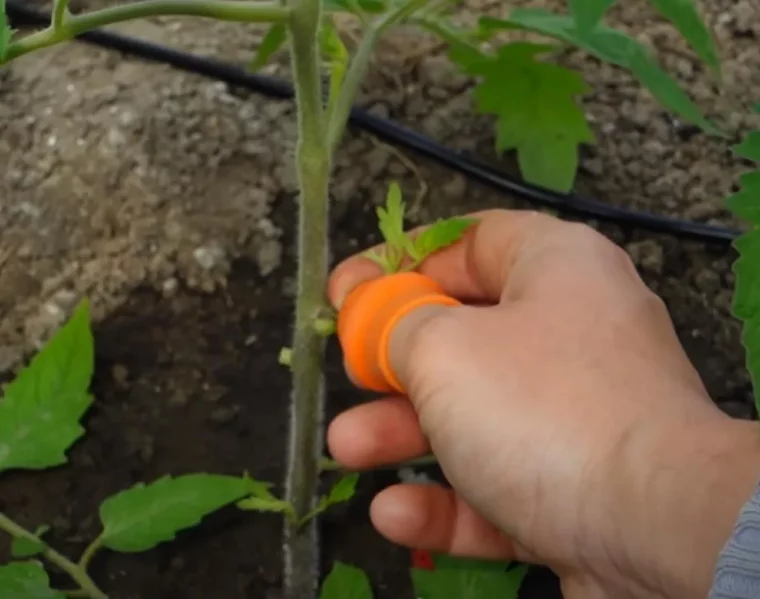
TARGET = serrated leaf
x,y
346,582
391,225
26,580
588,13
613,47
536,106
263,500
343,490
22,547
273,41
458,578
685,17
144,516
41,408
746,302
439,235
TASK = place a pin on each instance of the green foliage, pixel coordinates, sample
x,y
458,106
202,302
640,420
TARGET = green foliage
x,y
746,305
262,499
346,582
41,408
398,245
537,110
274,39
22,547
686,18
457,578
26,580
610,46
144,516
337,56
588,13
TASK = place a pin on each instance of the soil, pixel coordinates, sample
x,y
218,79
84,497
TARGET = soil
x,y
168,200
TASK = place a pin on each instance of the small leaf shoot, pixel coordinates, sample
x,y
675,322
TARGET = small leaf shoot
x,y
399,245
341,492
23,547
42,406
261,499
145,516
346,582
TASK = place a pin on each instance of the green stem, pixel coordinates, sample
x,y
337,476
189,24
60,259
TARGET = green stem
x,y
358,70
330,465
247,11
77,573
313,165
89,553
60,13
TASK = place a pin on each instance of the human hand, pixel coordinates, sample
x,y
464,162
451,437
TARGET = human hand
x,y
563,411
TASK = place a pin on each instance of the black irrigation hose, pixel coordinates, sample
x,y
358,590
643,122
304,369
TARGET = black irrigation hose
x,y
20,15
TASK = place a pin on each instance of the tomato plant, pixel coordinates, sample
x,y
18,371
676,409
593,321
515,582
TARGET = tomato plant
x,y
538,115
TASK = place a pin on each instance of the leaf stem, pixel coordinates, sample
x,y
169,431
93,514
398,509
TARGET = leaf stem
x,y
330,465
358,69
62,29
89,552
313,165
76,572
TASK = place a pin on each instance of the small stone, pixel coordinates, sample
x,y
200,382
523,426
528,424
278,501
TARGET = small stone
x,y
209,257
120,375
647,254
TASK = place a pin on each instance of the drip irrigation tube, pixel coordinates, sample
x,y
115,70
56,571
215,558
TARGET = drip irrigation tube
x,y
391,132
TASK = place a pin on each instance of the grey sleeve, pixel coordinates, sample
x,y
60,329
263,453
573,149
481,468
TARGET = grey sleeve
x,y
737,575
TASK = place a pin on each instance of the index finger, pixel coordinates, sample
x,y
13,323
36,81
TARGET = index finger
x,y
472,270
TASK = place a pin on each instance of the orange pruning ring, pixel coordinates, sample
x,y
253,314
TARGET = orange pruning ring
x,y
368,317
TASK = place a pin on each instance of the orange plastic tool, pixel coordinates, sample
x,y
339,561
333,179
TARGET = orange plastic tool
x,y
368,316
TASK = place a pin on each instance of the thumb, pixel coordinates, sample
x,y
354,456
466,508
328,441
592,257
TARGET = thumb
x,y
418,346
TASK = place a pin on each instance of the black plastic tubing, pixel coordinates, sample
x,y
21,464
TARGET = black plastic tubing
x,y
22,15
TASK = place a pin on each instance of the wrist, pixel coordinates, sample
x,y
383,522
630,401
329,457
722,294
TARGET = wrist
x,y
688,502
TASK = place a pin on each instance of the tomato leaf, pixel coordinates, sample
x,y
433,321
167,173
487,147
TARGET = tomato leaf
x,y
588,13
22,547
273,41
535,103
41,408
26,580
467,579
746,304
335,52
391,225
262,499
685,17
144,516
439,235
610,46
346,582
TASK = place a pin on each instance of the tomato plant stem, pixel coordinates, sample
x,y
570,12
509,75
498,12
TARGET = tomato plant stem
x,y
65,27
313,163
77,573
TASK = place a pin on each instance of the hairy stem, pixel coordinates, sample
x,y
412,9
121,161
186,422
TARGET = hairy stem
x,y
62,29
77,573
313,165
